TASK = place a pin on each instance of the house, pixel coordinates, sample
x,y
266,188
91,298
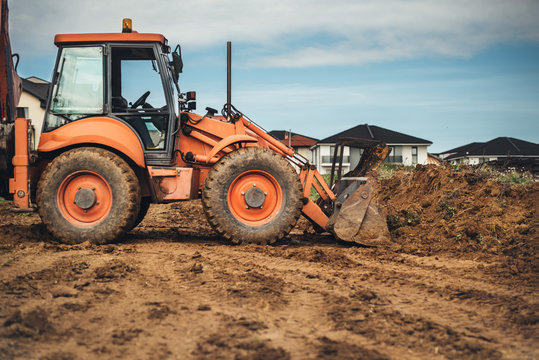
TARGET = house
x,y
300,143
34,101
501,148
405,149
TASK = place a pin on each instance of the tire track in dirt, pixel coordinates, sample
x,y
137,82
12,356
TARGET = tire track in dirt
x,y
464,316
287,312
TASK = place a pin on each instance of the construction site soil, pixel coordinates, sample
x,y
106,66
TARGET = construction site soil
x,y
458,280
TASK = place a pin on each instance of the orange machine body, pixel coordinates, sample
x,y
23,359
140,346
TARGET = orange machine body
x,y
199,143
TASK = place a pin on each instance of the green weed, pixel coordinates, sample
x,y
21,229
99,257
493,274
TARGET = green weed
x,y
514,178
387,170
447,211
406,218
479,238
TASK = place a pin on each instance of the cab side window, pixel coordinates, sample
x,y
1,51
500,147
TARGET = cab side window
x,y
137,93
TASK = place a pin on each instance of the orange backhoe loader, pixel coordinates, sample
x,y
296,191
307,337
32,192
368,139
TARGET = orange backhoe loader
x,y
119,134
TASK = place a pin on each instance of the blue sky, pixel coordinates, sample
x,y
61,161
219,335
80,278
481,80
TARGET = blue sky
x,y
451,72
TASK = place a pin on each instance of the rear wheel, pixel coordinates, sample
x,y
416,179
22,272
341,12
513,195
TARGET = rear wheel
x,y
88,194
252,195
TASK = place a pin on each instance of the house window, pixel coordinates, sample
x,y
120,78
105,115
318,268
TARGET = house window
x,y
395,155
329,159
414,155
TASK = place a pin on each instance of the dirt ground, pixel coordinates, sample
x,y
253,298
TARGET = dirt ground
x,y
458,281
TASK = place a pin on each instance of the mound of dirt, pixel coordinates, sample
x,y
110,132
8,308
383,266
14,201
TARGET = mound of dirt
x,y
435,209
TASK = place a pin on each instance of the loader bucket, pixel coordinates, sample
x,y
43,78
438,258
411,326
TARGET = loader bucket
x,y
357,215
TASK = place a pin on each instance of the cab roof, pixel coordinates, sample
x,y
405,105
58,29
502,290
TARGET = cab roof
x,y
108,37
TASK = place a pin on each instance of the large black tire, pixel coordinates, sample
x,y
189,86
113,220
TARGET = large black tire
x,y
88,194
144,206
252,195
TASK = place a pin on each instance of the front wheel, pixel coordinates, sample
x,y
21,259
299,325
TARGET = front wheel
x,y
252,195
88,194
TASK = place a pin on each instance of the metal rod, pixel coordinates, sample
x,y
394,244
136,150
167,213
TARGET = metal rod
x,y
333,162
339,172
228,77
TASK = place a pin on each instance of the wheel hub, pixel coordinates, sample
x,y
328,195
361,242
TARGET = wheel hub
x,y
254,197
85,198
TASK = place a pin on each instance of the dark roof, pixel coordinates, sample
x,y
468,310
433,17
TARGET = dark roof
x,y
297,139
463,148
374,132
37,89
499,146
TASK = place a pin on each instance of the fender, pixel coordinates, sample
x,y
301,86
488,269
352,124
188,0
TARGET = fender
x,y
229,141
95,130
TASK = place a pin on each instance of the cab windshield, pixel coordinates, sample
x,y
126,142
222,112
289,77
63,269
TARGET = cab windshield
x,y
78,89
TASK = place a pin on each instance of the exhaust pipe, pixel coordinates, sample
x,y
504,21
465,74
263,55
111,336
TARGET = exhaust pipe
x,y
228,79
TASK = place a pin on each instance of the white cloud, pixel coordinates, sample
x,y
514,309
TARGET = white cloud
x,y
292,33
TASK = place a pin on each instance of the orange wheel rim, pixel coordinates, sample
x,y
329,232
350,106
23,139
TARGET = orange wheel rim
x,y
84,198
255,197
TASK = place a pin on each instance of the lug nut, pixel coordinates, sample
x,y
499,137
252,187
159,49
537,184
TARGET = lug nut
x,y
242,193
254,185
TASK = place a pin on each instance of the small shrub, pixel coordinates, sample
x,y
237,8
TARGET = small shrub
x,y
406,218
457,166
447,211
514,178
479,238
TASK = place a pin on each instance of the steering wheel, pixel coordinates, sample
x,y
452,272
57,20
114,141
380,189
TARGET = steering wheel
x,y
141,100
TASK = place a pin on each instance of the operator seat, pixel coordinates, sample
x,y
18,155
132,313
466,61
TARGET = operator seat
x,y
120,105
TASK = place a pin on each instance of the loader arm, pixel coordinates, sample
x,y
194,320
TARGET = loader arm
x,y
341,210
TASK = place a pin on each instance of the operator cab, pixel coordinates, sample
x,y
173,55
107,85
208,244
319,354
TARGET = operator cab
x,y
124,76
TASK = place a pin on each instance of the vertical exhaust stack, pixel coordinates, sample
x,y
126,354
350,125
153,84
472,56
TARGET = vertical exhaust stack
x,y
228,78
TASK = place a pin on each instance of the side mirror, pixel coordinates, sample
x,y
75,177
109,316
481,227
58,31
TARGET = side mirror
x,y
177,62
